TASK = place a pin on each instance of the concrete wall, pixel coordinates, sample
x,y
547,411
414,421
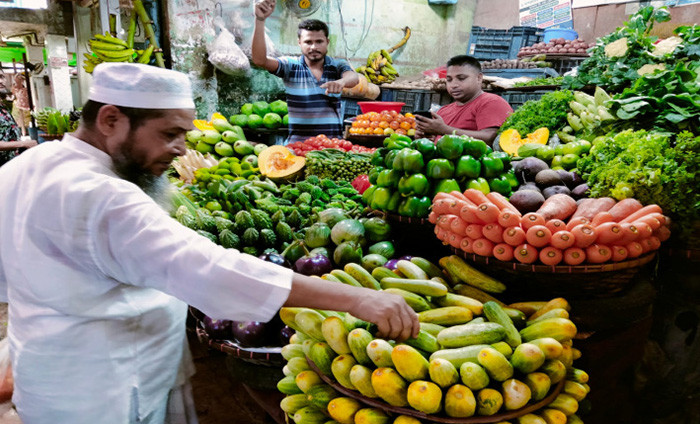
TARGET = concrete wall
x,y
438,32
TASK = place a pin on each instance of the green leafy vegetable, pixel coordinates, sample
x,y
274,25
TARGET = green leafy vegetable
x,y
549,111
541,81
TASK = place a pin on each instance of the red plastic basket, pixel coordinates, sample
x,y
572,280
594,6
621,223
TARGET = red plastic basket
x,y
380,106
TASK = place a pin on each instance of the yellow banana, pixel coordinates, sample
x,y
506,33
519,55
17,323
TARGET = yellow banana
x,y
382,61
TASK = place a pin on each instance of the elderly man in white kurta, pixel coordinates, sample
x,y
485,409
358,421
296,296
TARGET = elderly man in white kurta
x,y
98,275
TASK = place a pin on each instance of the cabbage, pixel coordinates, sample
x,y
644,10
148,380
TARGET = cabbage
x,y
348,230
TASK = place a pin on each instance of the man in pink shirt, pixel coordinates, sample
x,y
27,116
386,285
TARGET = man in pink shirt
x,y
473,113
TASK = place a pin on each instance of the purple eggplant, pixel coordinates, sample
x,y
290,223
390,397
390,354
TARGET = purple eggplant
x,y
274,258
218,329
285,334
406,257
250,333
313,265
391,264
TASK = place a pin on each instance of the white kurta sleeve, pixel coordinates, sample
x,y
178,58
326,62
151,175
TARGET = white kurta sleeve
x,y
135,242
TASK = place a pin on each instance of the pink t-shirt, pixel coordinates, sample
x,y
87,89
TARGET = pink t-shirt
x,y
486,111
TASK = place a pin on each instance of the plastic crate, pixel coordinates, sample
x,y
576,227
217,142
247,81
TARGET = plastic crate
x,y
415,99
516,73
489,44
517,98
563,65
349,107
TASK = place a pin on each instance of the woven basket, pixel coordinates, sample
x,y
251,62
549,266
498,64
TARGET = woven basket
x,y
571,282
427,418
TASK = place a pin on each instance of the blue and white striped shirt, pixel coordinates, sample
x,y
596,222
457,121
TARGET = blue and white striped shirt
x,y
311,110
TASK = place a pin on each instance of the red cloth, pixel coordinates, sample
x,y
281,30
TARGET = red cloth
x,y
486,111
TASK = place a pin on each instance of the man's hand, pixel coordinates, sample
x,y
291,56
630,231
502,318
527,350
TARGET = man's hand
x,y
431,126
394,318
29,143
264,8
333,87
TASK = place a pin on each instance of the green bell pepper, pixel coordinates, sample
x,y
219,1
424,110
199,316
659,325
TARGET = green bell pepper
x,y
512,179
381,198
450,146
374,173
415,207
468,167
426,147
394,202
389,158
388,178
397,141
368,194
500,185
446,186
378,156
414,185
409,161
439,169
474,147
479,184
492,167
503,156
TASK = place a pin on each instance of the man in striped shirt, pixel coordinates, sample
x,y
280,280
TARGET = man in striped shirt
x,y
313,81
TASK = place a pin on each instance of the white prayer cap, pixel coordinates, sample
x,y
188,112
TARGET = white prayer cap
x,y
140,86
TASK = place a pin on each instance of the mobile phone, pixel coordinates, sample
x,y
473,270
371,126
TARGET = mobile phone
x,y
424,113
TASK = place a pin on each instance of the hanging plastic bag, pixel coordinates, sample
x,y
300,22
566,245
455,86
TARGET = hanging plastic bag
x,y
225,54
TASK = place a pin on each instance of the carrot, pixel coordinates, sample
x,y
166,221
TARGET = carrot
x,y
445,221
584,234
634,249
646,210
458,226
440,233
588,208
608,233
487,212
483,247
530,219
493,232
619,253
440,206
468,213
602,217
624,208
455,240
441,195
514,236
525,254
538,236
475,196
508,218
551,256
455,206
644,230
574,256
432,217
630,233
651,221
467,244
650,243
499,200
662,233
660,217
598,253
555,225
459,196
562,239
503,252
474,231
655,240
577,221
560,206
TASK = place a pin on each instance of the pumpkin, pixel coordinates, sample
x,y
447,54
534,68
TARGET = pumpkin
x,y
279,163
510,141
540,136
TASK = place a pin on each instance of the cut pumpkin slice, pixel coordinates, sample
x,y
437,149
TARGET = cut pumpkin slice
x,y
202,125
279,163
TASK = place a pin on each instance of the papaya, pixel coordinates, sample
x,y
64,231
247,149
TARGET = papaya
x,y
390,386
539,384
459,402
410,363
424,396
361,379
443,373
341,367
343,409
488,401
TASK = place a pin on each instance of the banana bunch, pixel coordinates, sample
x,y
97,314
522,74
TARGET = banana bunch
x,y
107,48
379,68
42,117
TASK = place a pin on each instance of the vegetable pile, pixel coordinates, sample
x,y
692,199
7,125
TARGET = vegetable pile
x,y
220,138
560,46
262,114
474,356
408,174
549,112
559,230
320,142
384,123
337,164
541,81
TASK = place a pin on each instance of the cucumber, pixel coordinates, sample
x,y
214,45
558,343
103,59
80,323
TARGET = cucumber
x,y
292,403
424,341
309,322
460,355
288,386
335,334
474,293
495,313
527,358
554,313
381,272
471,334
560,329
411,270
322,355
379,351
496,365
430,328
424,287
330,277
449,315
417,302
341,367
428,267
470,275
565,403
451,299
345,278
362,276
474,376
504,348
358,339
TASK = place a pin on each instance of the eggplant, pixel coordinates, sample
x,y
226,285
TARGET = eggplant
x,y
274,258
250,333
218,329
313,265
285,334
391,264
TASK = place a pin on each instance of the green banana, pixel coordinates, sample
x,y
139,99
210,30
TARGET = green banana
x,y
387,56
145,57
103,45
109,39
